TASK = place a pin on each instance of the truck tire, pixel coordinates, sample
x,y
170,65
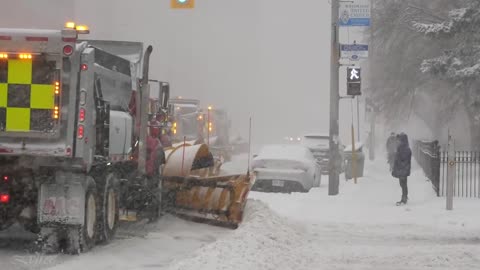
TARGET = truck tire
x,y
109,216
48,241
83,238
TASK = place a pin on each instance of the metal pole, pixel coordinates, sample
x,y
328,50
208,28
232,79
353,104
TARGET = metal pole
x,y
450,172
183,154
334,181
372,135
371,150
208,126
358,118
354,156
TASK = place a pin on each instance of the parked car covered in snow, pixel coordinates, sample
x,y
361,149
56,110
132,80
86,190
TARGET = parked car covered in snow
x,y
285,168
319,145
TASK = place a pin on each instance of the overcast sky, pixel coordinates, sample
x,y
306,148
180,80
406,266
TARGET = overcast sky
x,y
268,59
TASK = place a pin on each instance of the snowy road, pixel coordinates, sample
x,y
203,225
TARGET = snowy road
x,y
359,229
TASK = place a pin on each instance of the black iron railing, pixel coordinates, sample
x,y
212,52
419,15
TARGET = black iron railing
x,y
434,163
427,155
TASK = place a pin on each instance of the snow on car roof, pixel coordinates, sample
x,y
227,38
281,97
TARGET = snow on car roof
x,y
281,151
317,135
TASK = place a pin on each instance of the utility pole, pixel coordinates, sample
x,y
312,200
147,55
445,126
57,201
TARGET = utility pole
x,y
334,181
373,116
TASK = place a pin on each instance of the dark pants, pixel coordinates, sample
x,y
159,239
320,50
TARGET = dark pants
x,y
403,185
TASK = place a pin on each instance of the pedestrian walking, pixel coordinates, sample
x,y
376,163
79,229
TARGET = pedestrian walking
x,y
392,144
402,165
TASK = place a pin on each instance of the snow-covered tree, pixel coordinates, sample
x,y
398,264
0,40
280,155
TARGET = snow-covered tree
x,y
459,64
399,53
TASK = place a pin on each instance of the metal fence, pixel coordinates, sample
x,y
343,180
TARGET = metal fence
x,y
427,155
434,163
467,174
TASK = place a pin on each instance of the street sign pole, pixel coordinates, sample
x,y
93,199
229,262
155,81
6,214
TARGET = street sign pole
x,y
333,180
358,119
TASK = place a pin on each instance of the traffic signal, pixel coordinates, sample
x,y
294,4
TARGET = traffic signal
x,y
182,4
354,81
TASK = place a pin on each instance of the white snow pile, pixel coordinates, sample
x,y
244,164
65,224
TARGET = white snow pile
x,y
263,241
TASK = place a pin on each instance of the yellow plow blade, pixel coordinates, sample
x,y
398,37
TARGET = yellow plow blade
x,y
214,200
193,189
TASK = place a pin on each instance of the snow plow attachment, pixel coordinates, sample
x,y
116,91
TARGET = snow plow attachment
x,y
193,189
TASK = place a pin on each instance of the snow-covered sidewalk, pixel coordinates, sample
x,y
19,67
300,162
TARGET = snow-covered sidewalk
x,y
359,229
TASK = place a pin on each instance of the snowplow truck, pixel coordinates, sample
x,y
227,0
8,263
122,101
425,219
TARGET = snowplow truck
x,y
187,120
219,134
192,187
75,152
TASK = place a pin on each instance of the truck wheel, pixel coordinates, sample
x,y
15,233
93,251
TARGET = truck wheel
x,y
83,238
110,208
47,241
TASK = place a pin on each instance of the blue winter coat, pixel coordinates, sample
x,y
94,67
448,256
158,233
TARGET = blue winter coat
x,y
403,158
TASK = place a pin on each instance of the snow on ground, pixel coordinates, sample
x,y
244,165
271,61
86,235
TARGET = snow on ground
x,y
361,228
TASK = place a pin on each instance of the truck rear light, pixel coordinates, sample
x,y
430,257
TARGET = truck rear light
x,y
36,38
25,56
57,88
56,113
84,67
80,131
67,50
4,198
81,116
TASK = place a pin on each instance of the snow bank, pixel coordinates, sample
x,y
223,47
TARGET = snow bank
x,y
263,241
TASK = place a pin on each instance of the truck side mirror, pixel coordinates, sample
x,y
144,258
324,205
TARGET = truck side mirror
x,y
164,94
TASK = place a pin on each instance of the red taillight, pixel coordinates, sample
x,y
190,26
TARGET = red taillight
x,y
5,38
5,178
80,131
81,116
84,67
4,198
67,50
36,38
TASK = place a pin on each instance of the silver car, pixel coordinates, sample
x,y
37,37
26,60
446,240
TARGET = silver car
x,y
319,145
285,168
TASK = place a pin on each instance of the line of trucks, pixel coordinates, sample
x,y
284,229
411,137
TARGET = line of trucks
x,y
89,140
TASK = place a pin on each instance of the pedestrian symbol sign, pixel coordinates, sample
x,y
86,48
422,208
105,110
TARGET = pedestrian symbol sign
x,y
354,80
353,74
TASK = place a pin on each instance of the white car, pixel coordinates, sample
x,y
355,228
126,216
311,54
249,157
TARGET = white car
x,y
319,145
285,168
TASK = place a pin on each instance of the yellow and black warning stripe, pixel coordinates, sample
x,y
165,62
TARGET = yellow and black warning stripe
x,y
27,94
